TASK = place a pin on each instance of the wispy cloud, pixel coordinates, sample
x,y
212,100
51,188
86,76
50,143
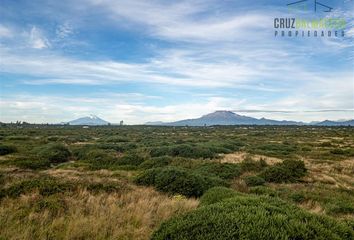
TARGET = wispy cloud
x,y
37,39
5,32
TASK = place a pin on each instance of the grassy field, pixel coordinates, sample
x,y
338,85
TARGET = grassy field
x,y
140,182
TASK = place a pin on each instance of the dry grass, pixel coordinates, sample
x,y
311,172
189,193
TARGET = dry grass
x,y
340,173
312,206
131,215
238,157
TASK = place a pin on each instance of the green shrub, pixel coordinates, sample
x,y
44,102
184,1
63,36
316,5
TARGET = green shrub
x,y
54,153
34,164
287,171
252,217
183,150
177,181
105,187
297,167
341,208
131,159
116,139
254,181
297,197
147,178
2,179
222,170
343,151
276,150
188,151
262,190
98,158
250,165
217,194
45,187
53,204
5,149
18,138
156,162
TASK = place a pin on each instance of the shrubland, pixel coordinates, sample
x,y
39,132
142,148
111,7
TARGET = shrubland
x,y
65,182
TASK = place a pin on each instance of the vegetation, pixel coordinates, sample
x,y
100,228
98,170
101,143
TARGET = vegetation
x,y
251,217
65,182
217,194
287,171
54,153
177,181
5,149
221,170
254,181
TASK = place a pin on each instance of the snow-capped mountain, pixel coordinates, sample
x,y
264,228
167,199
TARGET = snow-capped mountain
x,y
92,120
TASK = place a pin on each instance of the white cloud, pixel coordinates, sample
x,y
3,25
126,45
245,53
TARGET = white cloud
x,y
37,39
186,20
128,107
5,32
64,30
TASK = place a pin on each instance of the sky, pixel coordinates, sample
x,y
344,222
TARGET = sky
x,y
163,60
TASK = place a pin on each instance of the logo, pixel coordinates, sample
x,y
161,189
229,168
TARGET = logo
x,y
298,26
305,5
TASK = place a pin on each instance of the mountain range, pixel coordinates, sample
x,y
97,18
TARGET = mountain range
x,y
215,118
230,118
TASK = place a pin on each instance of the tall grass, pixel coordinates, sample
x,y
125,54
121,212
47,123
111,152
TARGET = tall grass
x,y
83,215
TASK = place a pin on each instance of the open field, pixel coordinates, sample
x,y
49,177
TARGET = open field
x,y
140,182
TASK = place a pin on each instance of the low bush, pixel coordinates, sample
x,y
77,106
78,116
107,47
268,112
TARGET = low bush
x,y
287,171
105,187
32,163
275,150
98,158
45,186
341,208
147,178
250,165
18,138
252,217
54,153
156,162
297,197
5,149
222,170
183,150
116,139
176,180
52,204
263,190
217,194
254,181
131,159
343,151
2,179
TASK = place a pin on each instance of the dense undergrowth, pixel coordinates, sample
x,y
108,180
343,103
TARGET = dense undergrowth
x,y
235,216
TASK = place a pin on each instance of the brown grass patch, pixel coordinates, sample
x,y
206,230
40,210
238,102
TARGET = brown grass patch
x,y
131,215
339,174
312,206
238,157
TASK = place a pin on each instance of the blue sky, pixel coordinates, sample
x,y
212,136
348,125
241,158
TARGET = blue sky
x,y
147,60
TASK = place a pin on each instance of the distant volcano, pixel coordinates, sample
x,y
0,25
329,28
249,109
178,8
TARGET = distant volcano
x,y
91,120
